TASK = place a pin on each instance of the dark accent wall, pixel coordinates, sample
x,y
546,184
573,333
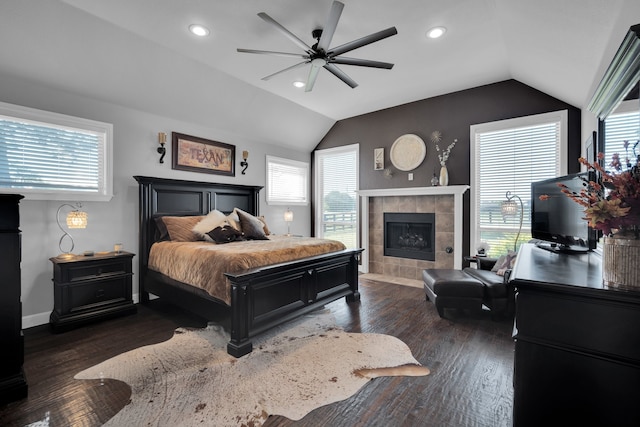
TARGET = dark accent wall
x,y
451,114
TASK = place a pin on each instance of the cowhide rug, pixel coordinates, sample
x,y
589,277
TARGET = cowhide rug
x,y
190,379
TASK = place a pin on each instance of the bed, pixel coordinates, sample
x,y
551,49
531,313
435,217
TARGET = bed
x,y
259,298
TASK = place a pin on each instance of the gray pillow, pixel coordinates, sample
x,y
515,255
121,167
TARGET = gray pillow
x,y
251,226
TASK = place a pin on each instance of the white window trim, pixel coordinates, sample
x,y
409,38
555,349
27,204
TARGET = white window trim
x,y
65,121
554,116
316,188
295,163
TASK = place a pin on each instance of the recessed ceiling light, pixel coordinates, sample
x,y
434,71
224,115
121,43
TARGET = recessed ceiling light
x,y
299,84
436,32
199,30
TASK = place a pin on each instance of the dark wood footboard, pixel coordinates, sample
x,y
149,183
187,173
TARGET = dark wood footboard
x,y
264,297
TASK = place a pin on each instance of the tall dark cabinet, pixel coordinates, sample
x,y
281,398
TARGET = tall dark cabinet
x,y
577,344
13,385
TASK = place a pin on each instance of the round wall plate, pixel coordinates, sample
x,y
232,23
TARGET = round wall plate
x,y
408,152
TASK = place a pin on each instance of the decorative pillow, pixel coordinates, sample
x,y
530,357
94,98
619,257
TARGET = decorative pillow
x,y
162,233
233,219
498,263
508,262
180,228
214,219
266,227
251,226
225,234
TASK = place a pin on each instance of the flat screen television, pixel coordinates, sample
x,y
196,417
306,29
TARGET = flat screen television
x,y
557,222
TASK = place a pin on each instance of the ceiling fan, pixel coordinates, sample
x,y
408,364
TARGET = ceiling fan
x,y
320,55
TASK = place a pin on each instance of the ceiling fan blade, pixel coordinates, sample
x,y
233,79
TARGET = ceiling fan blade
x,y
286,32
293,67
330,26
274,53
270,52
360,62
341,75
316,64
371,38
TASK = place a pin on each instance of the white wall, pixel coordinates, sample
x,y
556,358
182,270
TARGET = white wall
x,y
135,143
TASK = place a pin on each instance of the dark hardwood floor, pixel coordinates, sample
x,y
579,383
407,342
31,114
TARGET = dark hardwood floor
x,y
470,357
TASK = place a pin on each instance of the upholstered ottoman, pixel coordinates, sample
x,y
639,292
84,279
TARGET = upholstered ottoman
x,y
448,288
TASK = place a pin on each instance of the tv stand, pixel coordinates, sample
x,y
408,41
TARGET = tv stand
x,y
577,352
559,248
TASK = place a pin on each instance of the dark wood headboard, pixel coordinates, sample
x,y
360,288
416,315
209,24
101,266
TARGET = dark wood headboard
x,y
173,197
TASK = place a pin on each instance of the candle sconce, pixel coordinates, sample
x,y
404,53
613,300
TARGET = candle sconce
x,y
243,163
162,139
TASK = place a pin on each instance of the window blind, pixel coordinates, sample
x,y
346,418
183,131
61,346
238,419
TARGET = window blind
x,y
336,198
287,182
510,158
619,128
50,156
338,176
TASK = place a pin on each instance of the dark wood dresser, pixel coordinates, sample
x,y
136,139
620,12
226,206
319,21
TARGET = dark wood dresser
x,y
13,384
577,343
91,288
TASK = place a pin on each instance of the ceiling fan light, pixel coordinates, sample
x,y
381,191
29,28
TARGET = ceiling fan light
x,y
299,84
436,32
199,30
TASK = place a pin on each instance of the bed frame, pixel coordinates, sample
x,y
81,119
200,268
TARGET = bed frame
x,y
260,298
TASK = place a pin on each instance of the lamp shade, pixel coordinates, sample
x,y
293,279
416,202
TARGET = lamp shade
x,y
288,215
509,207
77,219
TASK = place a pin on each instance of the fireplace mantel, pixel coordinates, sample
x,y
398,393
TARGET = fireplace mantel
x,y
455,190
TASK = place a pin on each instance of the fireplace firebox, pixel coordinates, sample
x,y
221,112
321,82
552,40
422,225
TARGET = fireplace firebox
x,y
410,235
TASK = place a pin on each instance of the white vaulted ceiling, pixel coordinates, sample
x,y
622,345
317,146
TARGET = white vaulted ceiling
x,y
140,54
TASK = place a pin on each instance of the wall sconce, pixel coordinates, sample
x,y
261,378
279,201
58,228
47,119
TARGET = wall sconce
x,y
243,163
288,218
509,207
75,219
162,139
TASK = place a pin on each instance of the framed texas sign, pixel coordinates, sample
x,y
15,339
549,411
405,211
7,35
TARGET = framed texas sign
x,y
191,153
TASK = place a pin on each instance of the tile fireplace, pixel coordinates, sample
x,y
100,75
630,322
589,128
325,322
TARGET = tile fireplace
x,y
446,206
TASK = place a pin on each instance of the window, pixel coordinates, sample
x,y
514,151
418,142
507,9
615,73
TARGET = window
x,y
287,182
509,155
336,171
50,156
623,125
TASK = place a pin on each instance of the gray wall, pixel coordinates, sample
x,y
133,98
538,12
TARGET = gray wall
x,y
452,115
135,143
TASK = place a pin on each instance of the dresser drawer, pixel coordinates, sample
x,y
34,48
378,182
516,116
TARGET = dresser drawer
x,y
91,269
91,294
579,322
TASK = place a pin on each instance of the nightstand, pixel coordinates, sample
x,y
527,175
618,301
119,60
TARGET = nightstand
x,y
91,288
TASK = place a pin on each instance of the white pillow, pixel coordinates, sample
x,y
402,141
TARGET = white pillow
x,y
234,220
214,219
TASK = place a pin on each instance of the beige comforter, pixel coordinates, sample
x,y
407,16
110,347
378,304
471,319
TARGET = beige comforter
x,y
203,264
